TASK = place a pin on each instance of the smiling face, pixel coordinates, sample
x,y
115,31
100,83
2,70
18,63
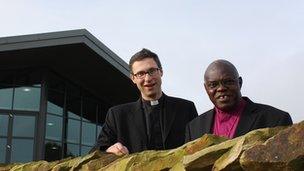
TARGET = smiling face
x,y
223,85
149,86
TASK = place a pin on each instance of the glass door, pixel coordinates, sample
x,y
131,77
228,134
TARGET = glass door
x,y
17,135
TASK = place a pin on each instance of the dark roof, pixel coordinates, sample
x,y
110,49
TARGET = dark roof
x,y
76,55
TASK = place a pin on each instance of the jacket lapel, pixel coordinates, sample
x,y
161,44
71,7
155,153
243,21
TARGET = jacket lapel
x,y
247,118
207,122
138,120
169,113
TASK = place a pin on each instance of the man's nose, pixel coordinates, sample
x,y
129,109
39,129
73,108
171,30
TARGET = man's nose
x,y
221,87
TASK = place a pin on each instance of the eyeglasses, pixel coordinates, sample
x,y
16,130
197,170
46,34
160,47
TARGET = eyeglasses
x,y
225,83
141,74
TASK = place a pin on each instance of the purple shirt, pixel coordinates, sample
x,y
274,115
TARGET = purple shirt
x,y
225,123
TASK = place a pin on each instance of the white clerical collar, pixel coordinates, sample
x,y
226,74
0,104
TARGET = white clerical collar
x,y
154,102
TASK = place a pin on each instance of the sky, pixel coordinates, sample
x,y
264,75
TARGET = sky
x,y
263,39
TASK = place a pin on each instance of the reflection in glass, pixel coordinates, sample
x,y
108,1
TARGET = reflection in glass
x,y
53,127
85,150
27,98
6,98
55,102
54,109
72,150
24,126
2,149
22,150
3,125
73,131
53,150
74,107
88,133
73,115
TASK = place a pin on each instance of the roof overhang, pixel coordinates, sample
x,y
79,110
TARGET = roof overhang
x,y
77,56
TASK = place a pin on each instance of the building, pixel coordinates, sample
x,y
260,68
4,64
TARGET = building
x,y
55,89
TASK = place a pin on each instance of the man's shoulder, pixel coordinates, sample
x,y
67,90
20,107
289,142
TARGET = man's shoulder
x,y
202,117
268,109
123,107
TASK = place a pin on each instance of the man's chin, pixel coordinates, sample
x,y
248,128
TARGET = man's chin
x,y
150,95
224,107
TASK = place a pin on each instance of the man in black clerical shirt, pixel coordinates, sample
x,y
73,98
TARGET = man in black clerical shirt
x,y
154,122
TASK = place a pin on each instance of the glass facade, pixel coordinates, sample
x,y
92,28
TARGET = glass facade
x,y
72,124
72,117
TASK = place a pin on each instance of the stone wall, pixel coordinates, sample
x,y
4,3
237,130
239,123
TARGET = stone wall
x,y
280,148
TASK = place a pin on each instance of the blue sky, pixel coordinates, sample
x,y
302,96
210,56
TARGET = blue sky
x,y
264,39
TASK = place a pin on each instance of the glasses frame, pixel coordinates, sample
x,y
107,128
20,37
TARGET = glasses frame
x,y
142,74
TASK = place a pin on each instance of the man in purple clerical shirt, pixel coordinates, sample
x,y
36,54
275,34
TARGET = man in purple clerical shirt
x,y
233,115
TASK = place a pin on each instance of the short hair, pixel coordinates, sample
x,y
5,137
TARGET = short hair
x,y
143,54
222,63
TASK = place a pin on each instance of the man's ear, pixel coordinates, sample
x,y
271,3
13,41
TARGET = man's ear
x,y
240,82
161,72
132,78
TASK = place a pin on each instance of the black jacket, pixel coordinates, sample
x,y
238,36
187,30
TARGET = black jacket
x,y
254,116
126,124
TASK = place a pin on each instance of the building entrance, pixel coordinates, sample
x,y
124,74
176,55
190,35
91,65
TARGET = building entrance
x,y
17,136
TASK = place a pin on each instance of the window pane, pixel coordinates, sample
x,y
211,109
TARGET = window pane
x,y
3,125
73,115
88,133
85,150
53,151
27,98
6,97
53,127
54,109
74,107
2,149
22,150
73,131
55,103
24,126
72,150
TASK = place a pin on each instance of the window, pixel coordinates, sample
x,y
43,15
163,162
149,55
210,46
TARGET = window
x,y
2,149
3,125
53,150
27,98
24,126
6,97
72,150
22,146
22,150
73,131
88,133
53,127
55,102
74,107
85,150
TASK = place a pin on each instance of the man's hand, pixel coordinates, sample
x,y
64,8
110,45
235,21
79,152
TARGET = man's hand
x,y
118,149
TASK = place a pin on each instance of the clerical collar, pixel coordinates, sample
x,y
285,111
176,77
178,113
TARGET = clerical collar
x,y
152,102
